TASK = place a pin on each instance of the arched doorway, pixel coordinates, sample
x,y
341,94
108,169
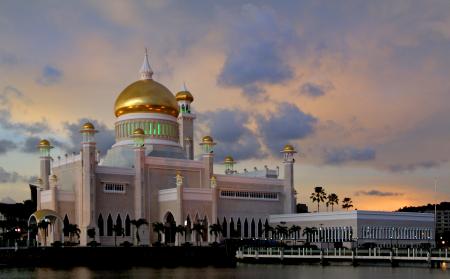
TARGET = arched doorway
x,y
224,228
47,226
169,229
188,233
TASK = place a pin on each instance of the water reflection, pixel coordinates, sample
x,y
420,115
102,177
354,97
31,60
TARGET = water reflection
x,y
242,271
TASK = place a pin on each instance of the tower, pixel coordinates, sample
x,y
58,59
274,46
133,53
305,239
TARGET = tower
x,y
86,194
207,145
229,165
186,121
288,188
45,159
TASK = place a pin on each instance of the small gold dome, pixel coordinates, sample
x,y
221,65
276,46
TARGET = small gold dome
x,y
146,96
138,132
44,143
229,159
54,177
184,96
288,149
88,126
207,139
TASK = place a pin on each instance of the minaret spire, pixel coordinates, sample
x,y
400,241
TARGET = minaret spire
x,y
146,71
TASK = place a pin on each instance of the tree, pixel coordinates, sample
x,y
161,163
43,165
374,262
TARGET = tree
x,y
308,232
71,230
118,230
281,231
137,224
268,229
199,229
91,233
294,229
332,200
318,196
43,225
216,230
347,203
158,228
180,230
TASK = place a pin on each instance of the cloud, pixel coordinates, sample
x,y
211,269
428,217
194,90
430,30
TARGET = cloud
x,y
6,145
228,128
50,75
31,128
255,54
13,177
338,156
315,90
105,137
287,124
8,59
415,166
378,193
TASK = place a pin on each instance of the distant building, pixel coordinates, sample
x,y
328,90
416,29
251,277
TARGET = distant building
x,y
302,208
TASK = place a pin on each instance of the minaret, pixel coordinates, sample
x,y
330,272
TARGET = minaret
x,y
186,121
207,145
139,161
214,203
229,165
86,195
179,208
44,150
146,71
288,188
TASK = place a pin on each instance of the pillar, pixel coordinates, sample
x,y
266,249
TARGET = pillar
x,y
45,159
288,187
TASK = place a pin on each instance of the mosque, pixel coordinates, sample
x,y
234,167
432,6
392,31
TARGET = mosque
x,y
150,173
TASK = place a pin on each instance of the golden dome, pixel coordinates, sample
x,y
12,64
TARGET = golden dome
x,y
146,96
88,126
138,132
184,96
44,143
229,159
207,139
288,148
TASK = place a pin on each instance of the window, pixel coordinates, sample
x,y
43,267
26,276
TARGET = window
x,y
114,188
249,195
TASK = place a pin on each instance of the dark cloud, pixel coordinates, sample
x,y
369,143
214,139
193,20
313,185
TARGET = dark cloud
x,y
105,137
289,123
8,59
6,145
255,55
378,193
50,75
338,156
228,128
415,166
32,128
13,177
315,90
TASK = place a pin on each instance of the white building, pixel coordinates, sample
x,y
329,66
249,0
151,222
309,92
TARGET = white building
x,y
357,227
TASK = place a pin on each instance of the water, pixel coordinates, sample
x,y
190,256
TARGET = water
x,y
241,271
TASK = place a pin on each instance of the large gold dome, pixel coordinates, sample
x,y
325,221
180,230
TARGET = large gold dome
x,y
146,96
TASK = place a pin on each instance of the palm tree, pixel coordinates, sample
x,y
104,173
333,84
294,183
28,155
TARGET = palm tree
x,y
294,229
199,229
268,229
91,233
308,232
44,226
73,230
215,229
158,228
332,200
118,230
180,229
347,203
137,224
281,231
318,196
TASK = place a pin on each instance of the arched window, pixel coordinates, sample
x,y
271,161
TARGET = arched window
x,y
100,225
127,226
119,224
109,226
252,229
260,228
224,227
245,228
266,229
239,228
66,225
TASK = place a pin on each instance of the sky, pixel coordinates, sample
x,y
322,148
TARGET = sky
x,y
360,88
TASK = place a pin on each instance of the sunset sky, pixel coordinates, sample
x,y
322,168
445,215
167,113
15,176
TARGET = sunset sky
x,y
360,88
